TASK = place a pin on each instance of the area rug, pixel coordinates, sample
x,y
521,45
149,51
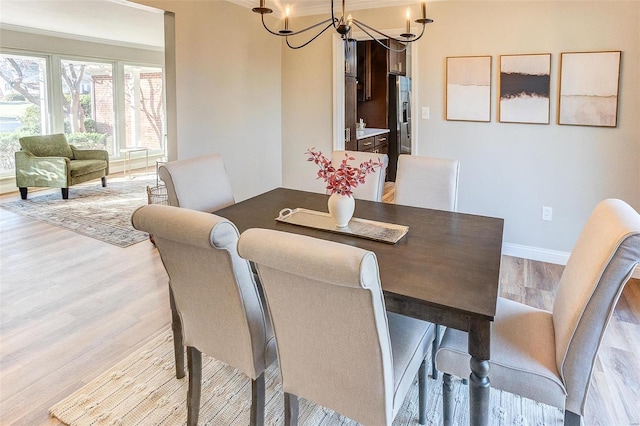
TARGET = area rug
x,y
143,390
91,210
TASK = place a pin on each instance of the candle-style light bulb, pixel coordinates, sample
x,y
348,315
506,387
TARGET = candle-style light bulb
x,y
424,9
286,18
349,20
408,21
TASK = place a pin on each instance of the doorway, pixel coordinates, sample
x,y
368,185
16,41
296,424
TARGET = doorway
x,y
407,106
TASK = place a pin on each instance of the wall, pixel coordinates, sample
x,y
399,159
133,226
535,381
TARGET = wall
x,y
507,170
228,91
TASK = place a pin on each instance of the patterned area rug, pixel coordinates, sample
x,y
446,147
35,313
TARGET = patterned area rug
x,y
143,390
91,210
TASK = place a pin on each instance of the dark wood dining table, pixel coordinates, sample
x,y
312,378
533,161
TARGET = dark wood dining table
x,y
445,270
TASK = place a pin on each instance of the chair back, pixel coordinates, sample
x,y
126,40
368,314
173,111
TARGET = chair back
x,y
427,182
329,320
47,145
199,183
602,261
373,186
214,290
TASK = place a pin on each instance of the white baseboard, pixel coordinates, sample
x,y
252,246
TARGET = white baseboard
x,y
543,255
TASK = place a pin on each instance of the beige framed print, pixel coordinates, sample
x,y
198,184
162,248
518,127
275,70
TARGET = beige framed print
x,y
589,85
468,93
524,88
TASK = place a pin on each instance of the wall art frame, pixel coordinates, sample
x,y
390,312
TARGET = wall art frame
x,y
468,88
589,88
524,88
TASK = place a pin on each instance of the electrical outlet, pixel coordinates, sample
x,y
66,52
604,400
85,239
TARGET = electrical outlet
x,y
425,113
547,213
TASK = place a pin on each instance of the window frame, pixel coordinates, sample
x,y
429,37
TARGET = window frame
x,y
54,119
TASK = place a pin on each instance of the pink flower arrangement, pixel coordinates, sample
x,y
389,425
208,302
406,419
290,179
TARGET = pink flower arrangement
x,y
344,178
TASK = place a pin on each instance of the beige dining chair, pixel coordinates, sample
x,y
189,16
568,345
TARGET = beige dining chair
x,y
337,345
549,356
373,186
199,183
222,312
427,182
430,183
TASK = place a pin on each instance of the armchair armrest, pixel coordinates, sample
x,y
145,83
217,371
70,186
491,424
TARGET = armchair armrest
x,y
91,154
41,171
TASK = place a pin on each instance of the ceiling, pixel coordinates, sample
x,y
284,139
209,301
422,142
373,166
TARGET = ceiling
x,y
128,23
118,21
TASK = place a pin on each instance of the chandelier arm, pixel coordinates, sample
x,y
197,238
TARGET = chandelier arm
x,y
333,17
295,32
374,38
361,24
314,37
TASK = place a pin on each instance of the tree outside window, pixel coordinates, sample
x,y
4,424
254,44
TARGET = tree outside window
x,y
144,104
88,104
23,105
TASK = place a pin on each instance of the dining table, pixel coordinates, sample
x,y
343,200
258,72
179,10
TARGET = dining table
x,y
445,269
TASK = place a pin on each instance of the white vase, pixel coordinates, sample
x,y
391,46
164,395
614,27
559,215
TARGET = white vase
x,y
341,208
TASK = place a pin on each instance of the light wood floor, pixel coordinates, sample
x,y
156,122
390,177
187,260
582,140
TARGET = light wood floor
x,y
71,307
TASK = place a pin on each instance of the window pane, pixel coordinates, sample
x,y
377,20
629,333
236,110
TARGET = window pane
x,y
88,104
144,105
22,104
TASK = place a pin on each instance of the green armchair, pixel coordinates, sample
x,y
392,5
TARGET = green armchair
x,y
49,161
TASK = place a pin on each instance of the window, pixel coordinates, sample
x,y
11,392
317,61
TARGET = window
x,y
97,103
88,104
23,103
144,105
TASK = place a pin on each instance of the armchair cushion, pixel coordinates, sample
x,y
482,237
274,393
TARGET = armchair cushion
x,y
47,146
82,167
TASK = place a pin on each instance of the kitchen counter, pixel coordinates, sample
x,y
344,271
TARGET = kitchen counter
x,y
369,132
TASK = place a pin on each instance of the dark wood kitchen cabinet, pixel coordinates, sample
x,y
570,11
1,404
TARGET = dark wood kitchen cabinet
x,y
350,94
378,144
350,111
397,63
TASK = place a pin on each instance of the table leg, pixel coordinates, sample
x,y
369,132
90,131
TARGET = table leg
x,y
479,384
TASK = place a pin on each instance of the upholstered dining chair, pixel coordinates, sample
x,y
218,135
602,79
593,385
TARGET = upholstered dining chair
x,y
430,183
214,292
199,183
337,346
427,182
373,186
549,356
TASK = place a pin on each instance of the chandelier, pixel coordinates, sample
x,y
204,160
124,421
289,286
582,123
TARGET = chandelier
x,y
343,27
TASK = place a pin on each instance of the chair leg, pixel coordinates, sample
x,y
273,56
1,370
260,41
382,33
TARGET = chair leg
x,y
447,399
23,193
434,348
257,401
422,393
176,327
65,193
104,181
290,410
572,419
194,364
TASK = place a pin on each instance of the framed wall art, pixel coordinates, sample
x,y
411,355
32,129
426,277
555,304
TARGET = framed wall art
x,y
589,85
524,88
468,96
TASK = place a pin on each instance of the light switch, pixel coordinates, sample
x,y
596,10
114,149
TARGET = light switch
x,y
425,113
